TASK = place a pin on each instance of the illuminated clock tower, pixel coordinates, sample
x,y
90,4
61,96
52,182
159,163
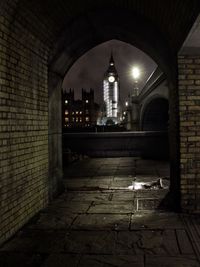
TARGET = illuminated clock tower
x,y
111,92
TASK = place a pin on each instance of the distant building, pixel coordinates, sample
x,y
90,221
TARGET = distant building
x,y
111,93
79,113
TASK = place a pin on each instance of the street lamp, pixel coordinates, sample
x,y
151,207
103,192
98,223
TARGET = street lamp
x,y
136,75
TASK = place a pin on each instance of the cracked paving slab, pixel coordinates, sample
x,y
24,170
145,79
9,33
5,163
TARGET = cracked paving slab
x,y
69,207
102,222
109,261
62,260
96,222
59,219
98,242
178,261
155,242
111,207
156,220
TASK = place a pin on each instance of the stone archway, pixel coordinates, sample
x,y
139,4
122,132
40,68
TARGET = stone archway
x,y
98,28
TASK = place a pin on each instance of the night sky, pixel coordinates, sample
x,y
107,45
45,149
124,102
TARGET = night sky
x,y
88,71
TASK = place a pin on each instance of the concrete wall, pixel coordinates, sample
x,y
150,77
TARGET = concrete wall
x,y
118,144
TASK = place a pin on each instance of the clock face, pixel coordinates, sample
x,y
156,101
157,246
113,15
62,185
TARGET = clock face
x,y
111,79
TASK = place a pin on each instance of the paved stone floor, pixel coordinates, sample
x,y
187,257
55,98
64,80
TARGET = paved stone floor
x,y
101,220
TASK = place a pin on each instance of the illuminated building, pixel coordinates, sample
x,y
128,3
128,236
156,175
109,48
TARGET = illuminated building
x,y
79,113
111,92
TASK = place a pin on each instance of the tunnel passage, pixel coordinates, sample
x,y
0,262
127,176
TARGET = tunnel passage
x,y
39,41
156,115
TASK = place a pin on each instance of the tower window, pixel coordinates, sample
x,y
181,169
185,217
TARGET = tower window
x,y
87,118
66,112
66,101
87,101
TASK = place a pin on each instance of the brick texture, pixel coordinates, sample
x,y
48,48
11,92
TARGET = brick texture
x,y
189,109
23,123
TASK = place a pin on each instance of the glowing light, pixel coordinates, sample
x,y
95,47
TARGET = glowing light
x,y
86,101
135,73
136,186
111,79
66,101
126,103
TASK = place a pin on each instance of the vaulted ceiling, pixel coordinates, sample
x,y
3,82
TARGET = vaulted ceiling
x,y
62,24
173,18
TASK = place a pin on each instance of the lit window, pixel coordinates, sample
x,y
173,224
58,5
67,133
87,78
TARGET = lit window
x,y
87,118
80,119
126,103
76,112
73,119
76,119
66,112
81,112
66,119
66,101
73,113
124,112
86,101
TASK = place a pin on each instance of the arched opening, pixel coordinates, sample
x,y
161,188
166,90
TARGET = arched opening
x,y
156,115
81,140
143,37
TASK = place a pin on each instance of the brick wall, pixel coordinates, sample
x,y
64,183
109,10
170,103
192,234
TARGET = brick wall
x,y
189,102
23,123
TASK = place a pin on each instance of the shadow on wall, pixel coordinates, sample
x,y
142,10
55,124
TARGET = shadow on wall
x,y
156,115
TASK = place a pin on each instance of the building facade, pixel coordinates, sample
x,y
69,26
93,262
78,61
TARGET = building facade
x,y
111,93
79,113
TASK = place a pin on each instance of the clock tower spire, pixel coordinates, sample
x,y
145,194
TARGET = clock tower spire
x,y
111,91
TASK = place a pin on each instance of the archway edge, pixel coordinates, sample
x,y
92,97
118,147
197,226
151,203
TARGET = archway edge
x,y
92,29
89,30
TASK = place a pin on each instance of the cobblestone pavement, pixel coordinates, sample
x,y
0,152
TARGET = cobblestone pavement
x,y
101,221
